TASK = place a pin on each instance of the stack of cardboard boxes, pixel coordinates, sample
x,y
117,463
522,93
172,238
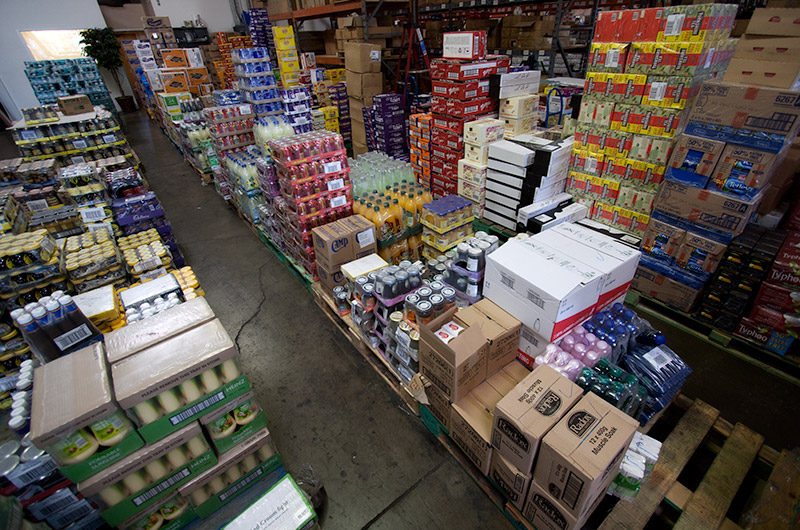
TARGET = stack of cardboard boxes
x,y
419,136
645,69
735,139
768,54
288,57
473,168
184,71
527,32
364,80
159,34
224,68
211,57
351,30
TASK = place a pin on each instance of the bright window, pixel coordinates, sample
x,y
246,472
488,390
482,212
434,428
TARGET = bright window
x,y
47,45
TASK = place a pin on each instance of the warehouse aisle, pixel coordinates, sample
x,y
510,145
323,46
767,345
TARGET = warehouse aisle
x,y
325,406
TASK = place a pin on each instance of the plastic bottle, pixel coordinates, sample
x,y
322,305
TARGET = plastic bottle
x,y
391,219
379,219
398,212
74,316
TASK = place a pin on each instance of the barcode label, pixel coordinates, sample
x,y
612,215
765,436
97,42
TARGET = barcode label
x,y
470,72
188,413
572,490
93,521
71,338
91,215
536,299
55,502
375,55
146,265
78,159
109,138
78,510
79,144
658,89
29,135
161,487
612,59
239,486
530,337
341,200
38,205
674,25
98,227
507,280
771,124
332,167
245,109
709,58
657,358
32,471
591,165
335,184
152,275
402,338
554,105
469,110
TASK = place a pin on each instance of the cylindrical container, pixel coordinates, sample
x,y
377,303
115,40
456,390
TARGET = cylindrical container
x,y
424,312
437,301
394,320
449,295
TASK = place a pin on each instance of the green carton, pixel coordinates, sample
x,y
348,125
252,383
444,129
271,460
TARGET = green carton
x,y
233,423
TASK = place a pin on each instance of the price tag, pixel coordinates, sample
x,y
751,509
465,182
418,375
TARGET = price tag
x,y
79,144
245,109
335,184
38,205
109,138
78,159
658,89
375,55
28,135
92,215
332,167
341,200
97,227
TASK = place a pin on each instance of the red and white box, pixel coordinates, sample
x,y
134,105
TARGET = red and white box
x,y
456,70
445,138
464,45
456,125
440,167
446,155
449,186
465,90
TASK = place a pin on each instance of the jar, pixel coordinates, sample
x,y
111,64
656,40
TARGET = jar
x,y
424,312
414,344
476,261
473,289
342,303
437,301
401,287
410,307
436,287
414,278
368,298
394,320
449,295
462,251
424,293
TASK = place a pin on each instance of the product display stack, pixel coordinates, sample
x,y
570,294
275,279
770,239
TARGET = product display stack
x,y
338,95
255,80
287,56
730,151
297,109
227,43
460,95
419,138
645,69
390,125
473,168
51,80
446,222
261,29
364,80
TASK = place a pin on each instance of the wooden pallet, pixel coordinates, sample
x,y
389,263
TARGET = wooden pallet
x,y
370,354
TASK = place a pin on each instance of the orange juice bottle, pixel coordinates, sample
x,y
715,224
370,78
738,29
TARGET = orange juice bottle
x,y
426,196
368,212
419,200
409,209
397,210
391,219
379,217
415,247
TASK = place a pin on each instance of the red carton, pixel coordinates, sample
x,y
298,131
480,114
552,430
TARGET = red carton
x,y
778,297
449,186
464,45
465,90
442,168
456,125
446,155
445,138
455,70
783,322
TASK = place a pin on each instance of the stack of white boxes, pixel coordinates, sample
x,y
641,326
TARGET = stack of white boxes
x,y
523,171
472,169
520,114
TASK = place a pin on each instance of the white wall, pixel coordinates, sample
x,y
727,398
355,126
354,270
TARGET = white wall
x,y
31,15
217,14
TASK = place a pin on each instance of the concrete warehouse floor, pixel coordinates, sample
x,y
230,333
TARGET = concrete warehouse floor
x,y
326,407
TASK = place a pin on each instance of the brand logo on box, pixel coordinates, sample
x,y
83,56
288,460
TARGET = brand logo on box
x,y
549,404
580,422
550,510
338,244
512,432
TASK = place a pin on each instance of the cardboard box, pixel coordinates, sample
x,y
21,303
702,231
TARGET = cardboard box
x,y
781,22
547,291
511,481
696,155
744,170
244,465
362,57
670,291
175,81
156,22
770,49
500,329
364,85
519,106
528,412
457,367
581,454
137,336
344,240
530,345
198,76
471,416
546,513
174,58
764,73
157,372
72,105
464,45
662,240
332,278
759,117
707,208
74,392
154,479
283,507
232,424
439,405
175,510
780,297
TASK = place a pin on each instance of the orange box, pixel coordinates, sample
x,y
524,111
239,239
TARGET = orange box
x,y
194,90
198,76
206,90
176,81
174,58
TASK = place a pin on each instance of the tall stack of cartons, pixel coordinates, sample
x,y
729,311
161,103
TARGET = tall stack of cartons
x,y
159,34
419,137
228,42
768,53
364,80
645,68
734,142
288,58
211,57
473,168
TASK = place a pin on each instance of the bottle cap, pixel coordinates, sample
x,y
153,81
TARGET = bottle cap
x,y
17,422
